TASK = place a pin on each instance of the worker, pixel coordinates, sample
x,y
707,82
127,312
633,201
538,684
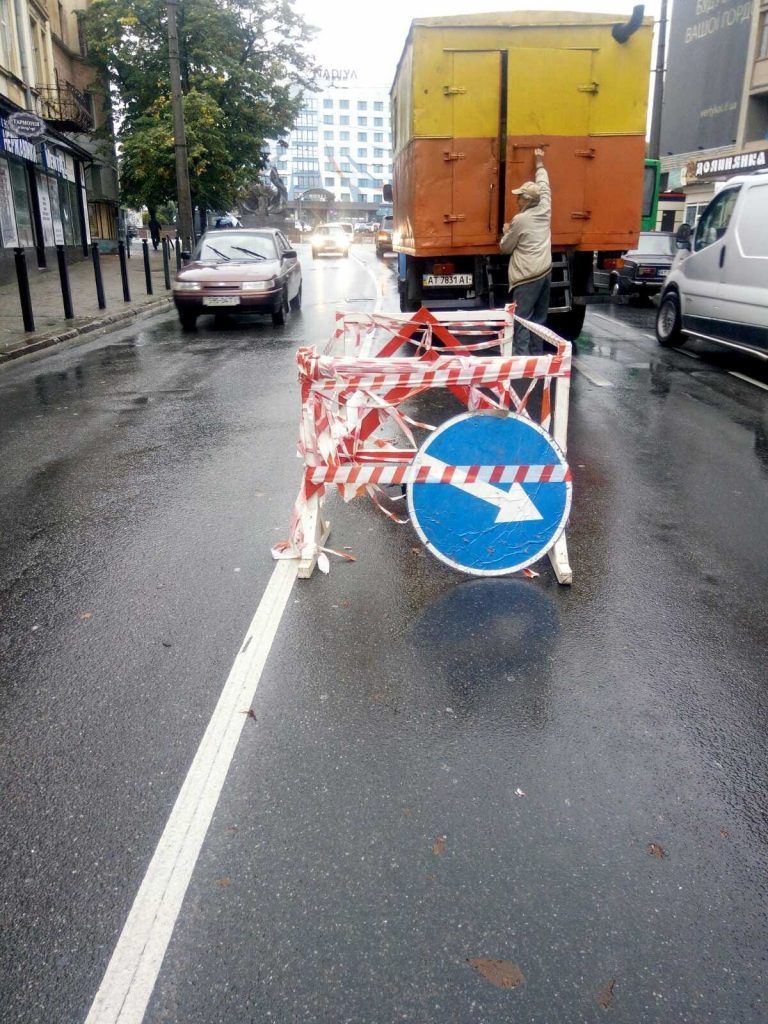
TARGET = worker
x,y
527,240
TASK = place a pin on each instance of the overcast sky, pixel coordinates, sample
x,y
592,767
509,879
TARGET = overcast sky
x,y
368,36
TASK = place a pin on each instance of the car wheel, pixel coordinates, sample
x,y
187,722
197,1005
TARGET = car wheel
x,y
188,320
314,254
280,315
616,291
668,321
296,300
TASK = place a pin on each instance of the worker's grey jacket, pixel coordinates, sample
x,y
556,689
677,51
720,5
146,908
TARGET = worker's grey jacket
x,y
528,238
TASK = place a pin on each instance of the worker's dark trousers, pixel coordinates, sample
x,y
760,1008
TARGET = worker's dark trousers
x,y
531,303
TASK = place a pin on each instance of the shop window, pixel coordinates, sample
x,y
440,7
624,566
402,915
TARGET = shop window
x,y
21,203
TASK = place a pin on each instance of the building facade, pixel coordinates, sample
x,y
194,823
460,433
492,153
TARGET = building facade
x,y
57,186
715,115
340,151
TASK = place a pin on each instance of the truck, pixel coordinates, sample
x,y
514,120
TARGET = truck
x,y
473,97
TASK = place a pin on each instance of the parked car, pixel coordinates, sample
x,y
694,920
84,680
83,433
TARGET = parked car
x,y
718,286
347,227
384,236
228,220
239,271
643,270
330,238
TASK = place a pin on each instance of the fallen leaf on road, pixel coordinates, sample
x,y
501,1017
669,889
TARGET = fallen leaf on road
x,y
438,847
249,714
502,973
223,882
725,834
530,574
345,603
606,996
86,615
166,643
519,792
323,564
656,850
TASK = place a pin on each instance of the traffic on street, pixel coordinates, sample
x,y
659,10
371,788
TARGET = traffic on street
x,y
391,791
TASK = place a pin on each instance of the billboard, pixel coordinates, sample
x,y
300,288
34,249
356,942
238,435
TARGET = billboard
x,y
706,62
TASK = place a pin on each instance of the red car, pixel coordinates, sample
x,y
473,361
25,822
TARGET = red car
x,y
239,270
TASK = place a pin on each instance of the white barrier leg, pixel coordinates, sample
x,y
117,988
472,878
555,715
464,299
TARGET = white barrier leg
x,y
558,556
316,532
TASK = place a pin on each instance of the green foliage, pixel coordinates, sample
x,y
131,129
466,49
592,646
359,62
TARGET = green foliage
x,y
243,66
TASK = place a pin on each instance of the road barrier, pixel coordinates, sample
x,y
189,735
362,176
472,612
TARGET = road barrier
x,y
358,384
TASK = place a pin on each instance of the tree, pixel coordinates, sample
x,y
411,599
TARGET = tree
x,y
244,66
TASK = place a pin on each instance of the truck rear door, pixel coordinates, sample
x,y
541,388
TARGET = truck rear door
x,y
550,95
473,150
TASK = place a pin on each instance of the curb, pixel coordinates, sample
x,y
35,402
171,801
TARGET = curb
x,y
36,342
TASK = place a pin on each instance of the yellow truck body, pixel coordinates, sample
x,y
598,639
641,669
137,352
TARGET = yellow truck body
x,y
474,95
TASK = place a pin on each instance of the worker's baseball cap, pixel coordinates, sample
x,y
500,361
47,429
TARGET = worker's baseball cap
x,y
529,189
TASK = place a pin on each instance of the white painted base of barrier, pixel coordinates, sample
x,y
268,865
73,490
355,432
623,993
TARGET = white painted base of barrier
x,y
558,556
316,533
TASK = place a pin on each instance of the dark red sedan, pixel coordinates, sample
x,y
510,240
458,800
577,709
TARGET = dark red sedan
x,y
239,271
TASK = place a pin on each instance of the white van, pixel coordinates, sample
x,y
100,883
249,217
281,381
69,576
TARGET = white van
x,y
717,288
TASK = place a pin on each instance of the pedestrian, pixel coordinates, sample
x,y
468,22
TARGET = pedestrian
x,y
154,230
527,240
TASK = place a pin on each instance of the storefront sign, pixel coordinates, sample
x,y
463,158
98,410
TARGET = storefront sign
x,y
54,160
725,166
7,220
27,126
337,75
14,144
315,195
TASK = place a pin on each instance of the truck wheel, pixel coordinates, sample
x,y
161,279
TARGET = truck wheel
x,y
668,322
568,325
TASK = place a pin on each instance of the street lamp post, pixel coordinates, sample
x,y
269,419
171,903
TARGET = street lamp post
x,y
658,85
186,232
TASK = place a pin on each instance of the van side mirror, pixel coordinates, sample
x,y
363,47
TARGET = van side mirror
x,y
387,192
683,236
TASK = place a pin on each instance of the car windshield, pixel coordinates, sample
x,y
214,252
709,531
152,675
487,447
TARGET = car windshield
x,y
233,245
328,229
386,224
653,244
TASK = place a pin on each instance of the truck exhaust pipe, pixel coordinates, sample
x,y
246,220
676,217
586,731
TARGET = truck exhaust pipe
x,y
622,32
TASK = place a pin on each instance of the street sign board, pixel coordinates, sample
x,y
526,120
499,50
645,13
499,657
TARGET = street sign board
x,y
27,125
489,494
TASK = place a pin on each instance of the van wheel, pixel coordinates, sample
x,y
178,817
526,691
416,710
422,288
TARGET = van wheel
x,y
668,321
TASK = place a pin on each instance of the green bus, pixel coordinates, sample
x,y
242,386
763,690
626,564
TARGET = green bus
x,y
651,181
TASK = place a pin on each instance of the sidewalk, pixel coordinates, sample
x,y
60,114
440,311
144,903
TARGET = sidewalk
x,y
51,327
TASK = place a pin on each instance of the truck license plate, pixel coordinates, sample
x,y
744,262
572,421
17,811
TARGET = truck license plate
x,y
221,300
445,280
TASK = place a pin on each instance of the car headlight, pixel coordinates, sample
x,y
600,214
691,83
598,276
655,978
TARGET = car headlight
x,y
259,286
187,286
317,239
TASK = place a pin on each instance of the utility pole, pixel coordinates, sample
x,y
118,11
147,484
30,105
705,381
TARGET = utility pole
x,y
186,233
658,85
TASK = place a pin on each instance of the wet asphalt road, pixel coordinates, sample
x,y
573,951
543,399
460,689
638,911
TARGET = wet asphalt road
x,y
439,768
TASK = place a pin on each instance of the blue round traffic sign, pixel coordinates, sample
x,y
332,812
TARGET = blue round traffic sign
x,y
489,493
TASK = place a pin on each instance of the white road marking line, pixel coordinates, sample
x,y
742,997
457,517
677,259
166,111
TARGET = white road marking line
x,y
608,319
592,377
685,352
749,380
378,290
132,972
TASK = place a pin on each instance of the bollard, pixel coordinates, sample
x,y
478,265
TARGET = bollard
x,y
66,293
166,265
178,254
97,275
25,298
124,271
147,271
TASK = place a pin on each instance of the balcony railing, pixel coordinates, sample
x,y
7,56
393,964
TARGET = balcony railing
x,y
65,107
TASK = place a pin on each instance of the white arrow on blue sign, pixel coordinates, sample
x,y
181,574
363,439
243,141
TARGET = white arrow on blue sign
x,y
489,494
